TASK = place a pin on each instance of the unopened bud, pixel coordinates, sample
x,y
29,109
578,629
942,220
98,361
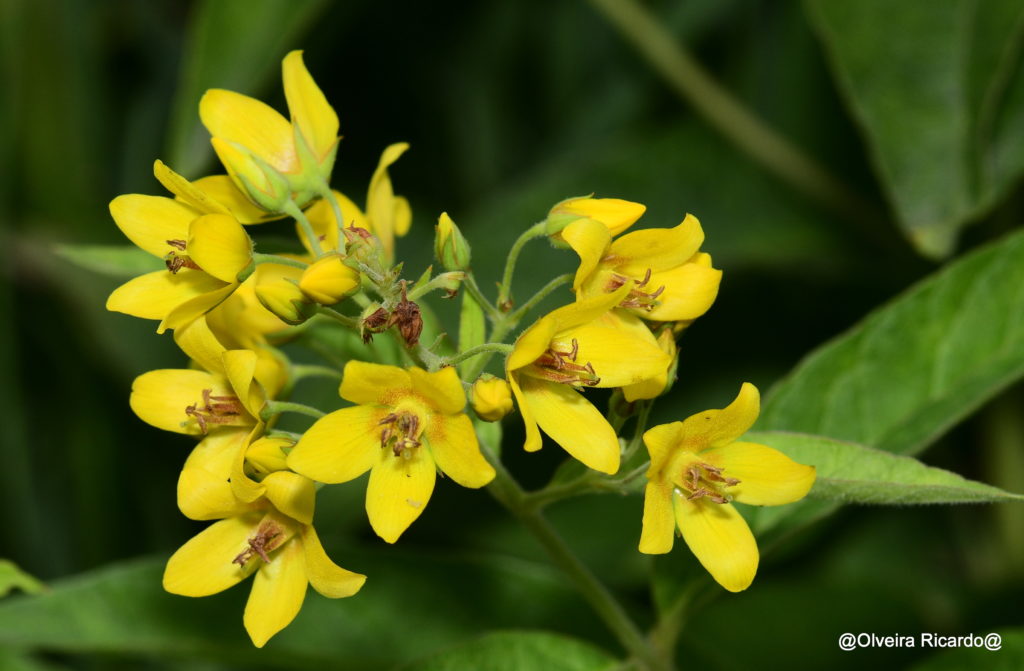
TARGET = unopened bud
x,y
617,215
285,300
450,246
267,455
491,398
361,246
328,280
256,178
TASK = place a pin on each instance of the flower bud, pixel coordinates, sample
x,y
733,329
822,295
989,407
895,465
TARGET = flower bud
x,y
491,398
267,455
257,179
363,247
329,280
450,247
285,300
616,214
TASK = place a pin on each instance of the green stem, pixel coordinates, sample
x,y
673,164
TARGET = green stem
x,y
474,290
541,295
293,211
719,108
282,260
350,322
505,289
507,491
425,358
300,371
326,192
442,281
271,408
486,348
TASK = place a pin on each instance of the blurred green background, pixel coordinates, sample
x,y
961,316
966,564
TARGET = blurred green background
x,y
510,106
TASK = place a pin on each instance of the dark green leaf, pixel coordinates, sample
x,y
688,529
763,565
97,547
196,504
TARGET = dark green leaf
x,y
471,327
12,577
519,651
925,80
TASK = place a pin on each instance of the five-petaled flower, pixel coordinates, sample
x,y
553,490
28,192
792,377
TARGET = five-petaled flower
x,y
697,468
576,346
407,425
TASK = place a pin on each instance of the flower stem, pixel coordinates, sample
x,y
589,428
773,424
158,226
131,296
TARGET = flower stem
x,y
282,260
541,295
474,290
350,322
293,211
720,109
505,289
486,348
300,371
507,491
271,408
326,192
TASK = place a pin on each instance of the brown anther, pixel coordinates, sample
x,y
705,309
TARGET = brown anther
x,y
703,480
559,366
259,545
176,262
215,410
637,298
352,232
401,431
177,244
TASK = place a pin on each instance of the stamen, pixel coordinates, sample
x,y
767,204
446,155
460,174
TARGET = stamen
x,y
704,481
176,262
403,428
259,544
637,298
215,410
559,366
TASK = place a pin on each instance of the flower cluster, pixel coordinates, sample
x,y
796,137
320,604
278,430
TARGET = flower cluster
x,y
233,308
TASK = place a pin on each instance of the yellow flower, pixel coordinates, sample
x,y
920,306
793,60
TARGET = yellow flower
x,y
259,147
668,278
241,321
697,468
491,398
205,249
407,425
614,214
228,392
328,280
387,215
576,346
272,537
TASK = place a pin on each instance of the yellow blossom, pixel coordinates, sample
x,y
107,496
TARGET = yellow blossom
x,y
204,247
576,346
258,146
407,425
669,279
698,467
328,280
491,398
614,214
271,536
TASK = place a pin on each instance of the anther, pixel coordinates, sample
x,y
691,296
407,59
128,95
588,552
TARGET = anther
x,y
215,410
259,545
401,431
637,298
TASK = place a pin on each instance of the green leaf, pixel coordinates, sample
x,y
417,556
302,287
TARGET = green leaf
x,y
519,651
232,44
122,608
1009,656
911,370
851,473
471,328
113,260
12,577
925,80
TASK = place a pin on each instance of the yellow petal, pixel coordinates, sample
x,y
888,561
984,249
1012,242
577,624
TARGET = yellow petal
x,y
589,239
339,446
325,576
185,191
587,310
657,385
453,444
720,539
398,491
155,295
533,440
277,594
616,214
325,224
374,383
402,213
201,345
309,108
659,525
220,246
222,189
531,343
204,492
572,422
292,494
150,221
713,428
690,290
620,348
203,565
442,389
656,249
767,477
380,200
252,124
240,368
271,371
243,487
160,398
661,442
196,306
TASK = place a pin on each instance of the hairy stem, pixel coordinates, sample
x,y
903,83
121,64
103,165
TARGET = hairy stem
x,y
505,290
486,348
282,260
